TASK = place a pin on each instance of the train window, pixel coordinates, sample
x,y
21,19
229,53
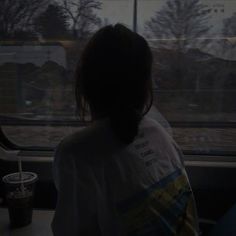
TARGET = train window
x,y
194,48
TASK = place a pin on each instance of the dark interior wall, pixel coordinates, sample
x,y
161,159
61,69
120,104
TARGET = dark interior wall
x,y
214,189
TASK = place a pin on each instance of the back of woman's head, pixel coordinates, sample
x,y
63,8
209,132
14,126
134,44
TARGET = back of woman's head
x,y
114,79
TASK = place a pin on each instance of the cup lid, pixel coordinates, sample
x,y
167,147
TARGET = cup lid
x,y
14,178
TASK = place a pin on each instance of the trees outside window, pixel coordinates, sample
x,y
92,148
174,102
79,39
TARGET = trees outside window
x,y
179,23
16,18
229,29
53,23
82,15
229,35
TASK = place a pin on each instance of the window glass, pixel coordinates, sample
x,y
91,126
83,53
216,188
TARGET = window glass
x,y
194,48
194,71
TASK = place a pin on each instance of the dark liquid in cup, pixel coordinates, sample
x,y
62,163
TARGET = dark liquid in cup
x,y
19,196
20,211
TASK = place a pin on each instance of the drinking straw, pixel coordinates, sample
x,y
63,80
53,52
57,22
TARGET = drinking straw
x,y
21,175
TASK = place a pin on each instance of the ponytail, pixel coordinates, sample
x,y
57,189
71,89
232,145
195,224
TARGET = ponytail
x,y
114,79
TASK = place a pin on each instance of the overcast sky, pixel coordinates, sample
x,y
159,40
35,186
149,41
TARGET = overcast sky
x,y
114,11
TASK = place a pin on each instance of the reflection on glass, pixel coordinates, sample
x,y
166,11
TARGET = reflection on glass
x,y
194,70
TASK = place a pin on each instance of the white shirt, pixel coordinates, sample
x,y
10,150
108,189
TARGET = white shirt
x,y
109,189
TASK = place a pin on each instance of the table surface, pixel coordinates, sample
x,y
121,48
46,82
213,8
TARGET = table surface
x,y
41,224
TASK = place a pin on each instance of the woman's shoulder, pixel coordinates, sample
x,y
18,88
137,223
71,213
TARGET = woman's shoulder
x,y
151,124
87,143
76,143
160,139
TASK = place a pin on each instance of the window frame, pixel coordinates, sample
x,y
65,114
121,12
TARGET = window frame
x,y
7,144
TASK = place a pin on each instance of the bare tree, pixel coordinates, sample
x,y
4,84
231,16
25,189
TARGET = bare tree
x,y
17,16
229,28
179,24
226,48
82,15
53,16
229,34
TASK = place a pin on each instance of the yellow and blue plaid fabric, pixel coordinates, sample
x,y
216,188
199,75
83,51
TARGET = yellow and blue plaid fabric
x,y
165,208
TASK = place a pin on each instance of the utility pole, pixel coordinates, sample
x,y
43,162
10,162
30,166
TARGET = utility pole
x,y
135,16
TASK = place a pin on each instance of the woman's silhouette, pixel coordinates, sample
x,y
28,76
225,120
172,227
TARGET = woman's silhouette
x,y
123,174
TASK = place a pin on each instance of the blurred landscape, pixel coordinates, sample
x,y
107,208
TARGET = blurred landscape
x,y
191,86
194,67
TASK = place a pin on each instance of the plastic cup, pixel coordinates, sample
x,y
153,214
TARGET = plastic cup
x,y
19,196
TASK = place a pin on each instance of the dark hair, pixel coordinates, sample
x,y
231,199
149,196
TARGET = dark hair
x,y
113,79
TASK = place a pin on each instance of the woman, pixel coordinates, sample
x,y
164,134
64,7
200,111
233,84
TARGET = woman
x,y
123,174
